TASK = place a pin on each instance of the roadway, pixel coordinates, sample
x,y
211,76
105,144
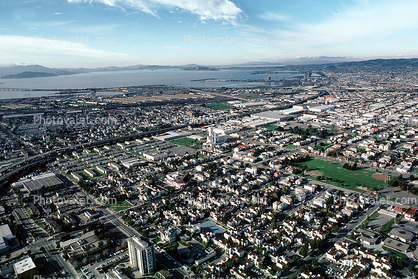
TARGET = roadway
x,y
54,262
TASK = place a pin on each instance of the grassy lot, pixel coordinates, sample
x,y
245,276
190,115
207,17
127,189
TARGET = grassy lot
x,y
218,106
394,252
374,215
186,141
336,175
169,246
120,205
388,226
271,127
324,145
290,146
371,217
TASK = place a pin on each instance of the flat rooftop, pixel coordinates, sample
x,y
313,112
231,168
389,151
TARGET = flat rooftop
x,y
395,244
277,115
24,265
37,182
5,234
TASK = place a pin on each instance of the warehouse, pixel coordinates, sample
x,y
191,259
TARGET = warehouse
x,y
32,185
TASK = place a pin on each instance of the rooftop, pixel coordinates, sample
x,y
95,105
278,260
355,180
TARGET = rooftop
x,y
5,234
24,265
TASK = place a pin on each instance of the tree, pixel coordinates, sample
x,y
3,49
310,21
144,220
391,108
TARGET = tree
x,y
330,200
305,267
396,261
304,250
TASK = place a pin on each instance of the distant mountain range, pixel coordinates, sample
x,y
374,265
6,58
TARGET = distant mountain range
x,y
32,71
30,75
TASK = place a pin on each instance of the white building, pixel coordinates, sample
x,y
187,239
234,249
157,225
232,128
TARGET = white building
x,y
141,255
214,138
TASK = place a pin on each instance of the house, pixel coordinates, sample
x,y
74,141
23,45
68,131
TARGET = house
x,y
320,202
333,255
309,216
410,213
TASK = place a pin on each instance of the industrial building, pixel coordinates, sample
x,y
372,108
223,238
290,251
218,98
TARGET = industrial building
x,y
214,138
32,185
270,115
291,111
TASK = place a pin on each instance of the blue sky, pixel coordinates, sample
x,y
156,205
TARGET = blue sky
x,y
95,33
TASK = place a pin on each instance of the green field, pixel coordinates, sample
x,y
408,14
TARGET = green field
x,y
120,205
271,127
325,145
374,215
218,106
336,175
186,141
386,228
290,146
394,252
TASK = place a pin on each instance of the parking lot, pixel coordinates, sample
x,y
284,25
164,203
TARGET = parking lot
x,y
97,270
399,196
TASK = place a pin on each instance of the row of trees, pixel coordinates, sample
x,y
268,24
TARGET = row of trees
x,y
291,162
351,167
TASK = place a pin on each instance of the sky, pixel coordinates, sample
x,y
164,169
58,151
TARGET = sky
x,y
99,33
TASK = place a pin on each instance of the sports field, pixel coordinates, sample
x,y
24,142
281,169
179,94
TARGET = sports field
x,y
335,174
186,141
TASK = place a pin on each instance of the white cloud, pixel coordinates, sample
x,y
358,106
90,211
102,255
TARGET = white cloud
x,y
274,16
205,9
68,53
47,24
